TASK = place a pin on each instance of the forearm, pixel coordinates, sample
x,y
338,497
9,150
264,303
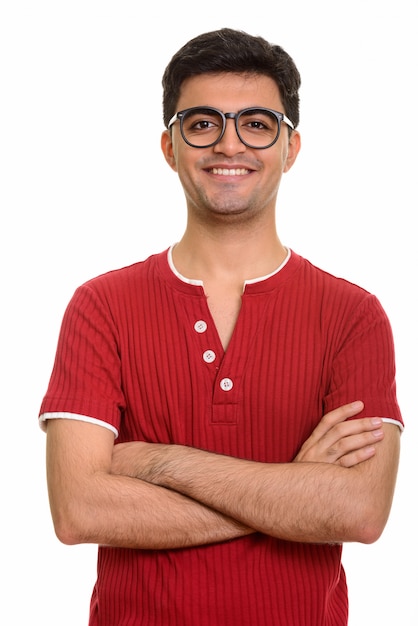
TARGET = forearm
x,y
129,513
89,504
269,499
307,502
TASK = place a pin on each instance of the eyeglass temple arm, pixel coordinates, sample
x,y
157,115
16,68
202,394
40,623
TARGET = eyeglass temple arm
x,y
288,122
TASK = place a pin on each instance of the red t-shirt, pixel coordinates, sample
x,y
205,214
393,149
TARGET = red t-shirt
x,y
139,351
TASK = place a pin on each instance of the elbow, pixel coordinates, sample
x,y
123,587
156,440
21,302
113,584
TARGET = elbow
x,y
371,525
66,535
368,534
68,527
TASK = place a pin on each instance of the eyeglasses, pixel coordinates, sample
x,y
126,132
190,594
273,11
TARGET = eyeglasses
x,y
203,127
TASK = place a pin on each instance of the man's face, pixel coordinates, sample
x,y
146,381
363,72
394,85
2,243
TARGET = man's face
x,y
230,179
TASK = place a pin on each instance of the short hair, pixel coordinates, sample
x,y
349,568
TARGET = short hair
x,y
229,50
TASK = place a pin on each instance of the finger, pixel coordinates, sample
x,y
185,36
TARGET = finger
x,y
342,439
359,456
342,413
336,416
340,433
353,444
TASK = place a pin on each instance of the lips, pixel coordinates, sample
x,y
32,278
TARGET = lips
x,y
221,171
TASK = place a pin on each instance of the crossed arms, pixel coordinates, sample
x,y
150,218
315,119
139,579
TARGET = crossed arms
x,y
155,496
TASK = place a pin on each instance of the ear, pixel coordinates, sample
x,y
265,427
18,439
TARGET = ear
x,y
167,148
293,150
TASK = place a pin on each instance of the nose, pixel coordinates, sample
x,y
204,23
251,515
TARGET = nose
x,y
230,143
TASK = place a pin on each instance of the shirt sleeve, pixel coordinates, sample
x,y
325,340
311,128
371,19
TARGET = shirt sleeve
x,y
44,417
86,376
364,364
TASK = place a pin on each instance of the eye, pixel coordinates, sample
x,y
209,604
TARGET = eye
x,y
256,124
202,120
258,120
202,124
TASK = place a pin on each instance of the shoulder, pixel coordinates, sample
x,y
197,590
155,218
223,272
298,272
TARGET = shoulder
x,y
125,280
112,293
317,280
124,275
336,296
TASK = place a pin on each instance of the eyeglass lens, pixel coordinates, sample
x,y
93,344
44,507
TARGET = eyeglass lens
x,y
256,128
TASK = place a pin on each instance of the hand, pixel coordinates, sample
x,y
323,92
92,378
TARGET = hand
x,y
342,442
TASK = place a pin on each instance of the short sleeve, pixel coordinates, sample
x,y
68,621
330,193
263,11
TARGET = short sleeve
x,y
364,365
86,376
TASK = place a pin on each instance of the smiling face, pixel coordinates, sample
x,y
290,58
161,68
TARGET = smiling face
x,y
229,179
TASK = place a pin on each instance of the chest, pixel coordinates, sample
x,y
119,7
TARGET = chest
x,y
224,306
249,400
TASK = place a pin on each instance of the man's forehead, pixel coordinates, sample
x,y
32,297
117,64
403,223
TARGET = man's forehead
x,y
228,89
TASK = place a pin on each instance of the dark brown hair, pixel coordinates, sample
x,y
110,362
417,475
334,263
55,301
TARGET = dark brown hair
x,y
228,50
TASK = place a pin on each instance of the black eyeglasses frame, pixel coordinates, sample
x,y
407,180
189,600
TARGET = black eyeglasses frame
x,y
180,115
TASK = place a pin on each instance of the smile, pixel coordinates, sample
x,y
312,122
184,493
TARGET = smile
x,y
231,172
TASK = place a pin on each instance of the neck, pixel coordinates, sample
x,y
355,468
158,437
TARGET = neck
x,y
234,256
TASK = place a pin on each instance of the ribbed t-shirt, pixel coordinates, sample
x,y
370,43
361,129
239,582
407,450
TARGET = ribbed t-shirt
x,y
139,353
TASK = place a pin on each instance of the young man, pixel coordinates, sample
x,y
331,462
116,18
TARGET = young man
x,y
225,369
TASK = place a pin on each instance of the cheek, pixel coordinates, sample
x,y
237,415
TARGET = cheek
x,y
178,155
184,160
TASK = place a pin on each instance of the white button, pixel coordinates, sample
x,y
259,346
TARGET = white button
x,y
209,356
200,326
226,384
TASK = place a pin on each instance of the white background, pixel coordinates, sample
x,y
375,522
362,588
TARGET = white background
x,y
84,189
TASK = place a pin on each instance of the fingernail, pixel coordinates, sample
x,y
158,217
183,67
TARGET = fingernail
x,y
376,421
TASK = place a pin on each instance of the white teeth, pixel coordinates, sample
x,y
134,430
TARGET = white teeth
x,y
232,172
